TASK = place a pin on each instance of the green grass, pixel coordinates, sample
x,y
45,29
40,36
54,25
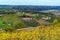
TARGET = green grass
x,y
8,19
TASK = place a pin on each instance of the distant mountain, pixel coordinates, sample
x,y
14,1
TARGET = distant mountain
x,y
29,7
36,8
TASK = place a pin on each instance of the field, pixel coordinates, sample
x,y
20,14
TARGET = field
x,y
38,33
13,20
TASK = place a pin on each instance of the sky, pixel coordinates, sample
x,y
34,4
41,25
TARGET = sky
x,y
30,2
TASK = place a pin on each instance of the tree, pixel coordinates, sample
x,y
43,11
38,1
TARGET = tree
x,y
55,21
13,21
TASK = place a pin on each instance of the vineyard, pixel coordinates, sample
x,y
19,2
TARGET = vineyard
x,y
39,33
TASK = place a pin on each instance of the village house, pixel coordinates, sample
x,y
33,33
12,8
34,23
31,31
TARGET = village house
x,y
46,18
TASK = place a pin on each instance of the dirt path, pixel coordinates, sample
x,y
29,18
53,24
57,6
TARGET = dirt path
x,y
27,29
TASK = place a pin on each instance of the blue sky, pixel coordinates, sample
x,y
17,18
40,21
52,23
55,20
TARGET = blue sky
x,y
30,2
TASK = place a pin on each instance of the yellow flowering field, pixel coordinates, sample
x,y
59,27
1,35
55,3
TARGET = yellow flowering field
x,y
39,33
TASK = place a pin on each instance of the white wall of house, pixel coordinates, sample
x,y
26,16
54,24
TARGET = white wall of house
x,y
46,18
